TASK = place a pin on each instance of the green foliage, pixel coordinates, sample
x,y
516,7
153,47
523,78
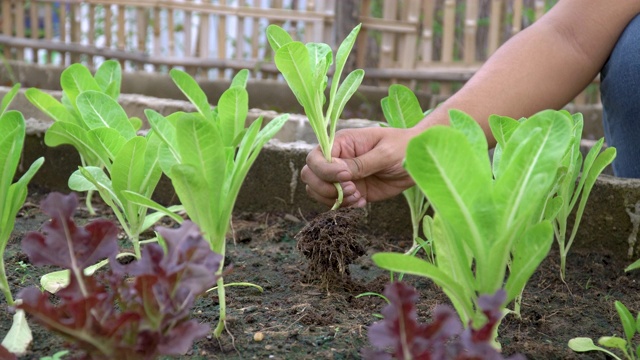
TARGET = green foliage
x,y
402,110
75,117
116,161
572,191
12,197
208,154
626,344
489,219
305,68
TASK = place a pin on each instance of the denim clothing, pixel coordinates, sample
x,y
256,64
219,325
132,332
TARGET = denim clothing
x,y
620,89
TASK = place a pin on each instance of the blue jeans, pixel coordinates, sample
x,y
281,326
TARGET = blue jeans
x,y
620,89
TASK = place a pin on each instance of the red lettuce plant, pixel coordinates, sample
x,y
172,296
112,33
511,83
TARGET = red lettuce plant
x,y
134,311
400,336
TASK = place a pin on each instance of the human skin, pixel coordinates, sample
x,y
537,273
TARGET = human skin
x,y
543,67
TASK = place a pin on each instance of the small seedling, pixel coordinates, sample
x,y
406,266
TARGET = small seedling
x,y
305,68
489,224
402,110
207,156
629,348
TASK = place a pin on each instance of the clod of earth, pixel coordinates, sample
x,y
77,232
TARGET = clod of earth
x,y
331,242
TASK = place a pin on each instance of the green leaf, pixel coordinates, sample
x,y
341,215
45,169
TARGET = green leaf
x,y
583,344
141,200
472,130
76,79
192,91
19,337
402,109
277,37
233,108
18,193
320,57
79,181
412,265
346,90
51,107
341,59
8,98
136,122
240,79
444,165
64,133
201,146
613,342
194,194
553,208
12,132
634,266
502,127
100,110
628,322
127,172
293,62
109,77
107,142
528,252
529,163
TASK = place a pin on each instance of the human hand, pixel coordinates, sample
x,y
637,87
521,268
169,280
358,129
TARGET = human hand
x,y
367,162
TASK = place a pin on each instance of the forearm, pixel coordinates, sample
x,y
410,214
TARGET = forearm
x,y
543,67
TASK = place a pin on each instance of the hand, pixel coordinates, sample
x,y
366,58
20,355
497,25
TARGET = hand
x,y
367,162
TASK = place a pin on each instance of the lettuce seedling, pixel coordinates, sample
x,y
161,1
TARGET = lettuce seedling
x,y
72,125
305,68
207,156
399,335
402,110
12,197
489,219
626,344
134,311
572,191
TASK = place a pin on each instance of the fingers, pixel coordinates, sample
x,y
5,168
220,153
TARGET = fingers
x,y
326,192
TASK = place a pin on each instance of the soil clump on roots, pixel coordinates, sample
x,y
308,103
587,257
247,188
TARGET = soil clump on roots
x,y
331,242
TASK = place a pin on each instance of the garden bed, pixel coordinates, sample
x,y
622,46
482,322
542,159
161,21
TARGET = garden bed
x,y
300,318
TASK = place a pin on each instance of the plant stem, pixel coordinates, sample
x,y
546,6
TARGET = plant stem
x,y
88,204
338,202
5,283
223,308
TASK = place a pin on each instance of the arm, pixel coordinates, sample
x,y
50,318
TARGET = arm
x,y
542,67
546,65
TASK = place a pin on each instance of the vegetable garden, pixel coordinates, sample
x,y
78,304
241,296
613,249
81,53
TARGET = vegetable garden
x,y
193,280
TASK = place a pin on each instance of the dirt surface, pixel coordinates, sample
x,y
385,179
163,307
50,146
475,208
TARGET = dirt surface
x,y
304,319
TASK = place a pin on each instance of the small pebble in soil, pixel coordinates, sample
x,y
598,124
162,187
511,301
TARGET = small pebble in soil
x,y
258,336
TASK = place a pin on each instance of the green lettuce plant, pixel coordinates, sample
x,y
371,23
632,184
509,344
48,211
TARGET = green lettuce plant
x,y
305,68
207,156
491,222
573,191
70,126
12,197
402,110
629,348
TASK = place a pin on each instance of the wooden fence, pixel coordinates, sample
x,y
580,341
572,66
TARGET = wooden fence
x,y
429,44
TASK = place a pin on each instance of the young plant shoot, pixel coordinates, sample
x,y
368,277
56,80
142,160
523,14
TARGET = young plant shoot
x,y
75,121
488,218
629,348
207,156
134,311
402,110
572,191
12,197
305,68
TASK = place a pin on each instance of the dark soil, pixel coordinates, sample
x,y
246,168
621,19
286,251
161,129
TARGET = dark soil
x,y
303,319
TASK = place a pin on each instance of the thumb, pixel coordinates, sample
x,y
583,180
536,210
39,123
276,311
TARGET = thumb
x,y
366,165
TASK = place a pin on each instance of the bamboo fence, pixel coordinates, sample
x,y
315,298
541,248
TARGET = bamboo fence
x,y
432,45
